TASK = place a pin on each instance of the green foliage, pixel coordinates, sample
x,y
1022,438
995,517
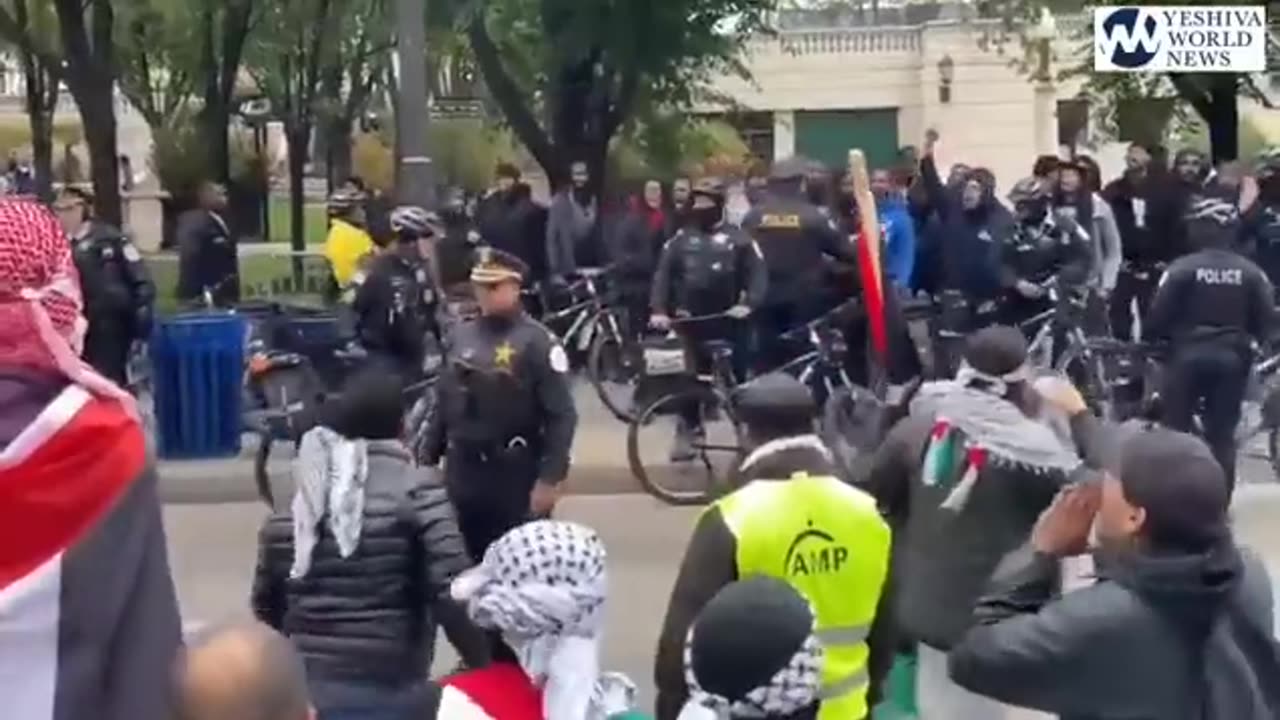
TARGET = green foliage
x,y
178,156
465,151
373,160
672,145
591,65
158,55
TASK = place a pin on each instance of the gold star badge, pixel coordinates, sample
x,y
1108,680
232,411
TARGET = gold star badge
x,y
503,354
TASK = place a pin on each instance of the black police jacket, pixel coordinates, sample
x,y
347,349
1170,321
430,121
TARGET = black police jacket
x,y
455,253
503,379
1211,294
370,617
117,287
703,273
1054,247
393,307
795,237
207,258
1260,238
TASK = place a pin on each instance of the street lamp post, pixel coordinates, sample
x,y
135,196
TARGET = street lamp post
x,y
415,184
1042,35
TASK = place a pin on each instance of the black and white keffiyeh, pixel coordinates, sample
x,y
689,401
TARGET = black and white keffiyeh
x,y
330,472
796,686
543,585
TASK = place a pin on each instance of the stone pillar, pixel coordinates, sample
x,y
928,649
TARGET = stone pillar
x,y
784,134
144,218
1046,118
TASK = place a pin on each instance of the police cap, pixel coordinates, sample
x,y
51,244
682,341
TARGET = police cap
x,y
777,404
792,168
497,266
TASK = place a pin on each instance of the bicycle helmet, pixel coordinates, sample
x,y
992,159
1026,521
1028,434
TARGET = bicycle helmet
x,y
1026,190
413,221
709,186
343,201
1267,165
1216,210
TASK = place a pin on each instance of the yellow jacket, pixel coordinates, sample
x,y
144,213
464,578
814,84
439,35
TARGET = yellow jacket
x,y
344,248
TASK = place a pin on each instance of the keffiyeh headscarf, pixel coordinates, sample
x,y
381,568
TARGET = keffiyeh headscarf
x,y
330,472
542,586
756,630
41,325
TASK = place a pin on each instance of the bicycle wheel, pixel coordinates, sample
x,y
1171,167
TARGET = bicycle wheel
x,y
688,473
613,366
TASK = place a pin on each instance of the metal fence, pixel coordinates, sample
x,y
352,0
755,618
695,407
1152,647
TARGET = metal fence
x,y
265,274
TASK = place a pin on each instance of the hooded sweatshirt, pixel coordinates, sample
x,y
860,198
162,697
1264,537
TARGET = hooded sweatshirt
x,y
900,239
1160,637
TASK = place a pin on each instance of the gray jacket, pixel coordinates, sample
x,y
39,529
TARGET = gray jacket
x,y
1160,637
569,225
1107,248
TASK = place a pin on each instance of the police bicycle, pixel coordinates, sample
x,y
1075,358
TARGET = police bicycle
x,y
1092,363
716,442
595,329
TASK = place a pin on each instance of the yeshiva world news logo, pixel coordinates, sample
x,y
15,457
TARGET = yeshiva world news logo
x,y
1221,38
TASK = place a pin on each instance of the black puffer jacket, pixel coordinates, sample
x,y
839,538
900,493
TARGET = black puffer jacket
x,y
370,618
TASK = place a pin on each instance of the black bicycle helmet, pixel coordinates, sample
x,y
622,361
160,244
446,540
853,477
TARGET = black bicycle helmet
x,y
711,187
411,220
776,405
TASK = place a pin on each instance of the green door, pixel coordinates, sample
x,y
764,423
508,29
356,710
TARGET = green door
x,y
828,135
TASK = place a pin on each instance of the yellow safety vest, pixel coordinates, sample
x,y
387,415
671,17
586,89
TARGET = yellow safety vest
x,y
827,540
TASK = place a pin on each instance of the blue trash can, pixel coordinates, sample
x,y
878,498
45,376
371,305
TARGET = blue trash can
x,y
198,366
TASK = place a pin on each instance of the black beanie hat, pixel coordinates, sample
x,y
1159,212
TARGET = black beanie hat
x,y
369,407
747,633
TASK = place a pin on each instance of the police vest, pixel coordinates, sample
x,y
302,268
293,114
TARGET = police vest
x,y
828,541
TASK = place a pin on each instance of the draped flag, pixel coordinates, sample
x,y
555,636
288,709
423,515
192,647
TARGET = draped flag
x,y
869,265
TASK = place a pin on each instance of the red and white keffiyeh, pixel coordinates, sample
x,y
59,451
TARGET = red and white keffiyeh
x,y
41,325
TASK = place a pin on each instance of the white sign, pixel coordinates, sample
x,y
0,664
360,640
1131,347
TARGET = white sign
x,y
1218,38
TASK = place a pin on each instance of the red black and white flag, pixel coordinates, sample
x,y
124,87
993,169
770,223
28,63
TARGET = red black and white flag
x,y
89,625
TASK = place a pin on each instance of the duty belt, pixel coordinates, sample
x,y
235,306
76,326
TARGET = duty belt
x,y
486,451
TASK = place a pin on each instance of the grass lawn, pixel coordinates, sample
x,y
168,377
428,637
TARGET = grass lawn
x,y
262,276
314,221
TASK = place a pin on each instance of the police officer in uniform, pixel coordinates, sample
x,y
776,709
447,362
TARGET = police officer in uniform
x,y
118,292
456,248
504,419
1211,307
793,520
1261,222
1044,246
207,256
796,238
395,298
708,268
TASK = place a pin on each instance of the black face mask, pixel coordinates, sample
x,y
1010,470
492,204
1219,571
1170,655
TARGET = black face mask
x,y
707,218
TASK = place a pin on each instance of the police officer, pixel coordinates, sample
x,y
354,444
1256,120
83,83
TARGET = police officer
x,y
1044,246
1261,223
708,268
795,238
118,292
505,418
395,298
208,264
1210,307
793,520
456,248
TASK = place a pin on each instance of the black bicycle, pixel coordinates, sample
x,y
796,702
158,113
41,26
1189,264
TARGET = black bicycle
x,y
593,329
697,421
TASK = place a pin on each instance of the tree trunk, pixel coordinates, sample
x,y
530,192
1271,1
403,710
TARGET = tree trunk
x,y
98,117
339,146
298,135
1224,120
40,120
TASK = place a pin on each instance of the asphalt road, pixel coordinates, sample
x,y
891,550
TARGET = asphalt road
x,y
213,521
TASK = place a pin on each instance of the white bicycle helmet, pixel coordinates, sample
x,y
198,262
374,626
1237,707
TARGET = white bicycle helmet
x,y
412,220
1216,210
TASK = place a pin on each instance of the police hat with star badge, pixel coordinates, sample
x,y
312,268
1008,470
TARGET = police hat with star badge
x,y
496,266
